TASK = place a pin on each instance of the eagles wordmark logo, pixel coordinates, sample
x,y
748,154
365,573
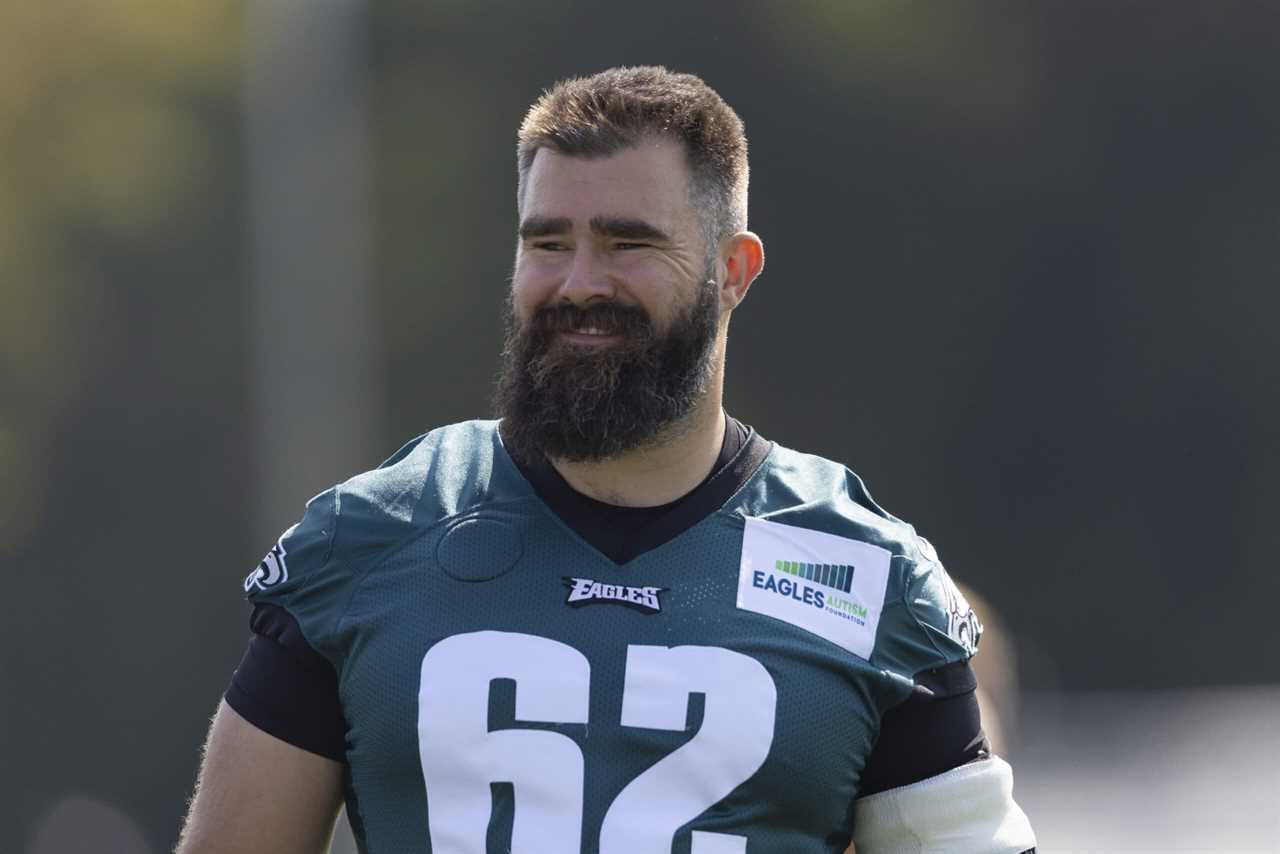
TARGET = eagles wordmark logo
x,y
270,572
587,591
837,578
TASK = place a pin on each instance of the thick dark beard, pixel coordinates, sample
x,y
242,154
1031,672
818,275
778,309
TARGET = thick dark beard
x,y
587,404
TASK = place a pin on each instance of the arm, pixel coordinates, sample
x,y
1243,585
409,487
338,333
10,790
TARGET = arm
x,y
258,795
967,810
930,785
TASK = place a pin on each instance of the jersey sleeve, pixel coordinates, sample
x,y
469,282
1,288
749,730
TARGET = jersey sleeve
x,y
286,684
927,623
303,575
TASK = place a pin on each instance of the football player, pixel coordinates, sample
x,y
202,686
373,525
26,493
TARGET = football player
x,y
617,620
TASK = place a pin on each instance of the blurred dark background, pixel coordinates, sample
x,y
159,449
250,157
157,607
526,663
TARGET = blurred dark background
x,y
1022,267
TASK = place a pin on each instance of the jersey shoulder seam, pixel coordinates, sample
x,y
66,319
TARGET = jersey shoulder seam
x,y
928,630
360,576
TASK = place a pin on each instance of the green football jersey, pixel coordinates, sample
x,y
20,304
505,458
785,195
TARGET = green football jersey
x,y
507,688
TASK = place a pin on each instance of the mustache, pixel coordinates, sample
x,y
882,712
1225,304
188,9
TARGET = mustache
x,y
612,318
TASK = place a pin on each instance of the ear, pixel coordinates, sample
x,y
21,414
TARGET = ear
x,y
742,259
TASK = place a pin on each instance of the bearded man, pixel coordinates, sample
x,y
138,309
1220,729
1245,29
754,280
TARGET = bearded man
x,y
616,620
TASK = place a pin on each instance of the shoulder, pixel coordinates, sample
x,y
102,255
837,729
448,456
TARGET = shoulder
x,y
433,477
916,618
812,492
349,528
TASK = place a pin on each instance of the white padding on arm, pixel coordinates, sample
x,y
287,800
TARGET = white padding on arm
x,y
967,810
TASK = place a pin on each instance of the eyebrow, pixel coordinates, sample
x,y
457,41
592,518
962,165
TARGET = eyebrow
x,y
624,228
541,226
627,229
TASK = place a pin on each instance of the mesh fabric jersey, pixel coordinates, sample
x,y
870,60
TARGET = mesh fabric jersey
x,y
719,693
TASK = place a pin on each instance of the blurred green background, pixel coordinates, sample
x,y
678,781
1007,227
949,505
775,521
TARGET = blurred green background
x,y
1022,269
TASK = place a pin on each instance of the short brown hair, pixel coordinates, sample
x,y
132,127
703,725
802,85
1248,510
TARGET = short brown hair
x,y
602,114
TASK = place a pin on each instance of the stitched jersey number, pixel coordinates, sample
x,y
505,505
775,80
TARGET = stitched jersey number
x,y
461,756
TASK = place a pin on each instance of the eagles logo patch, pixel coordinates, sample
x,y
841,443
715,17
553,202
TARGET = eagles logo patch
x,y
587,591
962,623
270,572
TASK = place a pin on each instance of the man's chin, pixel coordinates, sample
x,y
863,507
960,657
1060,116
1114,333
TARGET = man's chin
x,y
593,442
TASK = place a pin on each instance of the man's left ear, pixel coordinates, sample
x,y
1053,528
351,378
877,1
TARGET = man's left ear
x,y
742,260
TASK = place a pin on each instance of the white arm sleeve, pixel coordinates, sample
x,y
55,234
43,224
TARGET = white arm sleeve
x,y
967,810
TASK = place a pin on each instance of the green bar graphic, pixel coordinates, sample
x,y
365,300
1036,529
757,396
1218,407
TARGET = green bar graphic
x,y
835,575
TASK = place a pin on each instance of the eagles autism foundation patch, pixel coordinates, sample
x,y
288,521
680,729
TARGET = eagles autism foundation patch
x,y
831,586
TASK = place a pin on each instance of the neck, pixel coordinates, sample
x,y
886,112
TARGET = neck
x,y
656,474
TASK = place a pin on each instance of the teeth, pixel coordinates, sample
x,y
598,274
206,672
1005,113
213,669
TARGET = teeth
x,y
591,330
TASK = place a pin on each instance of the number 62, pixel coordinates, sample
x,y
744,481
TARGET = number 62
x,y
461,756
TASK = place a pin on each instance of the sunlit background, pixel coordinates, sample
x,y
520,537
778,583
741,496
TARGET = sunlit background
x,y
1022,277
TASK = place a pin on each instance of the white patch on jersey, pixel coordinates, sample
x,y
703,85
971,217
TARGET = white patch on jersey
x,y
828,585
270,572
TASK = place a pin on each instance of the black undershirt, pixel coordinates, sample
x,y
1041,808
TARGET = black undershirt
x,y
624,533
287,689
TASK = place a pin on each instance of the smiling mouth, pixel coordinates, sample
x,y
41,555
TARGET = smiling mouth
x,y
588,335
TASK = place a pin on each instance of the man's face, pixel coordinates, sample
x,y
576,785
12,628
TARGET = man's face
x,y
612,322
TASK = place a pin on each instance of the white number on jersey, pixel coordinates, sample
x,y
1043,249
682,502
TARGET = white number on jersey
x,y
461,757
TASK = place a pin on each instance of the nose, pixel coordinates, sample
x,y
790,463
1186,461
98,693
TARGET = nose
x,y
587,279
